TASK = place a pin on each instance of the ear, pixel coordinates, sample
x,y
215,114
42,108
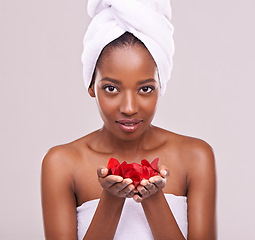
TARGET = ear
x,y
92,91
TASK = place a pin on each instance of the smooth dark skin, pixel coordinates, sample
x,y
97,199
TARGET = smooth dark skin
x,y
74,173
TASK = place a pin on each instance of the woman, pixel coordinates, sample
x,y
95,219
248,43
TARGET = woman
x,y
77,190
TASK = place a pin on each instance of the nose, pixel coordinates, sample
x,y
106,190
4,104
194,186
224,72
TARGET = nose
x,y
128,105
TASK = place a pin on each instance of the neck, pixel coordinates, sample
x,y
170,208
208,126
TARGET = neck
x,y
127,149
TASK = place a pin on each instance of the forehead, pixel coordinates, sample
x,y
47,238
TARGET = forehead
x,y
127,62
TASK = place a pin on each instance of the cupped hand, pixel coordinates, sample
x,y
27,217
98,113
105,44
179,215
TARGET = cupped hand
x,y
149,187
115,184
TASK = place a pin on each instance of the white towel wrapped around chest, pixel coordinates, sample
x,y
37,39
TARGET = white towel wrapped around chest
x,y
148,20
133,223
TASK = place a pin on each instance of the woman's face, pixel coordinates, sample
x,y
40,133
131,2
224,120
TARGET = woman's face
x,y
126,89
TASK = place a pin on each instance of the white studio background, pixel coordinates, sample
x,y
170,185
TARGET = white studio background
x,y
44,101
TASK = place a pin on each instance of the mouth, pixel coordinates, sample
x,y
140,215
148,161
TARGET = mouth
x,y
129,125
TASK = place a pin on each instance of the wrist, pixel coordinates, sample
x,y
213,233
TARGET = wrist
x,y
155,197
109,197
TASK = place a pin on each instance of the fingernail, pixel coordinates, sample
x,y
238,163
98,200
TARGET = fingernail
x,y
102,171
143,182
136,199
164,172
120,179
128,181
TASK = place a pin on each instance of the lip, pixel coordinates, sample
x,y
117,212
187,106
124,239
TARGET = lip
x,y
129,125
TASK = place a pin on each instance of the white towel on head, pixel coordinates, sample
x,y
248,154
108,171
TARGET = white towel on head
x,y
148,20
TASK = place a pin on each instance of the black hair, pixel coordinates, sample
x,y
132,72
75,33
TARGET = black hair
x,y
127,39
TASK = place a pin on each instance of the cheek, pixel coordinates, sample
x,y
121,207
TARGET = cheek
x,y
149,106
106,106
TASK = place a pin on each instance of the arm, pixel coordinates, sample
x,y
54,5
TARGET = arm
x,y
156,208
201,194
201,185
107,215
58,199
160,218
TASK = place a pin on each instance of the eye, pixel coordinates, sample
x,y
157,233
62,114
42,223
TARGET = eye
x,y
110,89
147,89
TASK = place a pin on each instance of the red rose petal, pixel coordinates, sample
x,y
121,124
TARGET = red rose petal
x,y
125,168
154,174
145,173
151,171
136,182
113,167
117,171
154,164
113,163
121,167
144,162
124,163
137,167
134,171
135,176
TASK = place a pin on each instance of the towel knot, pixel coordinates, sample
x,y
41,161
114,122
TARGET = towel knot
x,y
148,20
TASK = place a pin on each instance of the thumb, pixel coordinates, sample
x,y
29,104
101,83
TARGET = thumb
x,y
164,171
102,172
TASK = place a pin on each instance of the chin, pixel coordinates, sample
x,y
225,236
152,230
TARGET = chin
x,y
129,136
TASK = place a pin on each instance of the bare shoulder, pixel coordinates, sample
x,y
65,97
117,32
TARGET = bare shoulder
x,y
58,193
57,168
197,150
66,157
194,155
197,156
60,157
74,149
191,149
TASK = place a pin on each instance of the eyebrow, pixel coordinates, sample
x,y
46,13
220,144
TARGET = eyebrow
x,y
149,80
110,80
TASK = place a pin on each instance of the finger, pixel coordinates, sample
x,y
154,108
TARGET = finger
x,y
137,198
130,195
102,172
147,190
164,171
128,191
159,182
144,182
135,191
150,187
142,190
110,180
118,187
